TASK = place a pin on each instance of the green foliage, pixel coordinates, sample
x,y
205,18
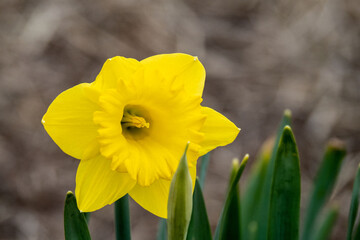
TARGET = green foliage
x,y
199,227
251,199
204,163
162,230
323,185
75,225
229,223
268,209
283,222
265,197
180,201
323,231
354,208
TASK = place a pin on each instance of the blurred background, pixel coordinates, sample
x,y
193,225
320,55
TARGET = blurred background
x,y
261,57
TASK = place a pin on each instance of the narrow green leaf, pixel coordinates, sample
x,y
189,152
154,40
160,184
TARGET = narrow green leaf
x,y
74,222
251,198
229,222
285,192
87,216
203,169
323,231
180,201
265,197
199,228
354,206
252,231
162,232
122,219
357,232
323,184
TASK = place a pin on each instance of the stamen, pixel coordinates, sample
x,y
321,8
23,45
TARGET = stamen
x,y
130,120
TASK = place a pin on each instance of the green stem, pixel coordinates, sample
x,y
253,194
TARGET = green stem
x,y
122,219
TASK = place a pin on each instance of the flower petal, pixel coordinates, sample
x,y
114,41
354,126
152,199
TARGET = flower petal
x,y
154,198
69,120
218,130
97,185
115,72
185,68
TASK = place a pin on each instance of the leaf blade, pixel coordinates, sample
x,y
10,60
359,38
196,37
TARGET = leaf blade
x,y
265,198
229,223
354,206
199,228
323,231
284,211
203,168
75,225
323,184
180,201
251,198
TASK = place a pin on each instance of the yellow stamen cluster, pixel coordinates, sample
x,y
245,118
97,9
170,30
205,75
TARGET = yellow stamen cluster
x,y
130,120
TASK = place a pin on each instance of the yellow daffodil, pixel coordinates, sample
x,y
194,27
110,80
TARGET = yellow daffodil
x,y
130,126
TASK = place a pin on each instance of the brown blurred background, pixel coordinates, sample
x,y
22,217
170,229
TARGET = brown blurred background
x,y
261,57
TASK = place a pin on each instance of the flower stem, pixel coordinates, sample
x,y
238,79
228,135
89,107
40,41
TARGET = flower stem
x,y
122,219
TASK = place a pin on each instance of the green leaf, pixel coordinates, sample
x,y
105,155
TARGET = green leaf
x,y
162,232
229,222
74,222
357,232
323,185
252,231
87,216
203,168
180,201
199,228
354,206
122,219
265,197
285,192
251,199
323,231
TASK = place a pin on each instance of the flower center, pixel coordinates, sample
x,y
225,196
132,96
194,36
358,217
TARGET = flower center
x,y
129,121
135,122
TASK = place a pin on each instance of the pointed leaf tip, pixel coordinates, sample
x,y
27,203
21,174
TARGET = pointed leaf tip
x,y
229,223
246,158
75,225
337,144
235,163
180,201
285,190
323,185
287,113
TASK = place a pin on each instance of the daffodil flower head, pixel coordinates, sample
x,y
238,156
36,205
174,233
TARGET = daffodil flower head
x,y
130,126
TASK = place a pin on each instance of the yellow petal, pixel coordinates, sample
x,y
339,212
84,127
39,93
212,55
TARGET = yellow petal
x,y
218,130
97,185
184,69
69,120
116,72
154,198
